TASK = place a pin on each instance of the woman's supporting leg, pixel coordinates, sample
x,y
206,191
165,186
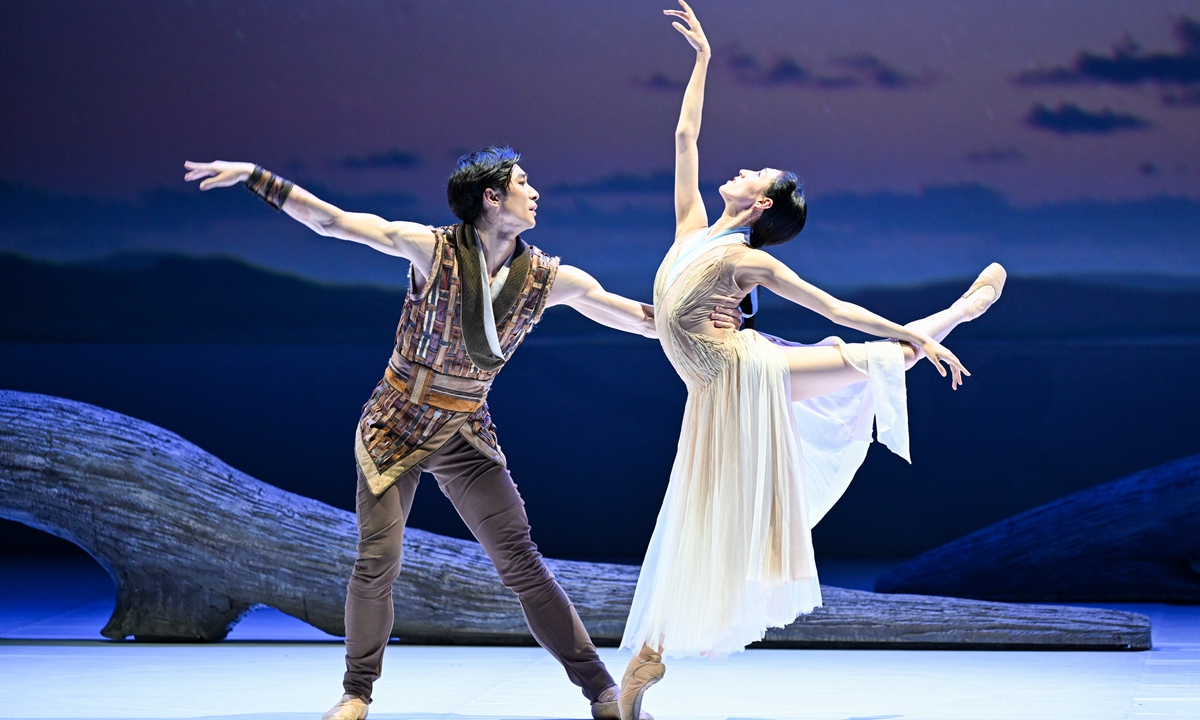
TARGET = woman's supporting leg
x,y
819,371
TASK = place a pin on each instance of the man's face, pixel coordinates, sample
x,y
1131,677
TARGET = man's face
x,y
519,206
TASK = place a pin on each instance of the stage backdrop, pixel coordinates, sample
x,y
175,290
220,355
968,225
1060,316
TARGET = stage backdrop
x,y
1062,140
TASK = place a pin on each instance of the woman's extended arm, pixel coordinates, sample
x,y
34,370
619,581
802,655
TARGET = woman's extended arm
x,y
689,207
759,268
402,239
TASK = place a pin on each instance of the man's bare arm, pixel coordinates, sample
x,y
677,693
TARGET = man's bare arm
x,y
575,288
411,241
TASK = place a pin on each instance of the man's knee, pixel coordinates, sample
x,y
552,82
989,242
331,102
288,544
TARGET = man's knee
x,y
522,568
377,565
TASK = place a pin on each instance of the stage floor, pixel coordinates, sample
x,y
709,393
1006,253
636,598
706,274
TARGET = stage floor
x,y
53,664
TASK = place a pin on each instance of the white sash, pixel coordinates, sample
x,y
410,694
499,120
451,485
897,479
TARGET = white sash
x,y
489,318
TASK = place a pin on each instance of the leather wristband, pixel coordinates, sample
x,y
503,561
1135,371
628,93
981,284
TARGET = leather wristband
x,y
273,189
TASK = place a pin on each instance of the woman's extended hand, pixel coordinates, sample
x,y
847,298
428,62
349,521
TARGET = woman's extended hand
x,y
937,354
219,173
693,32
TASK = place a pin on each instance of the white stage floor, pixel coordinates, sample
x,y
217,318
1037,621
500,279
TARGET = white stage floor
x,y
53,665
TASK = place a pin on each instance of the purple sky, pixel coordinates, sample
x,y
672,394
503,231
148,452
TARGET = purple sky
x,y
106,100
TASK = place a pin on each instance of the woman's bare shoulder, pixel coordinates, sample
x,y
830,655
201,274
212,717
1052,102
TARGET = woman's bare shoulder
x,y
683,235
744,254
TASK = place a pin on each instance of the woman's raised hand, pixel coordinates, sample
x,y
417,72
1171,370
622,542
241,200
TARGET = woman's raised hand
x,y
937,354
693,32
219,173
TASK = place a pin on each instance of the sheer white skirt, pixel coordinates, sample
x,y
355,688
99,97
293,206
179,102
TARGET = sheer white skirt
x,y
731,554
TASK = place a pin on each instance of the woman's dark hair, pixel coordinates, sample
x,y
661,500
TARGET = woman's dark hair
x,y
785,218
475,172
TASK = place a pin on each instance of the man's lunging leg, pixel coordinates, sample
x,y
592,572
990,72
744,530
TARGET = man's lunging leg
x,y
369,613
487,499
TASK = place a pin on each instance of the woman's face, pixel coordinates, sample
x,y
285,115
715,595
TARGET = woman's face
x,y
749,186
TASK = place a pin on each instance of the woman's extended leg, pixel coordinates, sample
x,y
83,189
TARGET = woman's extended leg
x,y
974,302
817,371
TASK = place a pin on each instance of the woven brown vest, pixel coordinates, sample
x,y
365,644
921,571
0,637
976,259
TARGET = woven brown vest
x,y
432,389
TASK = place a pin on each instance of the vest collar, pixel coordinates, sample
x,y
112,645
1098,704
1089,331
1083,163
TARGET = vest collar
x,y
475,294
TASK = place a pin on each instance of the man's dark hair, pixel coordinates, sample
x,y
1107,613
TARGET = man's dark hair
x,y
475,172
785,218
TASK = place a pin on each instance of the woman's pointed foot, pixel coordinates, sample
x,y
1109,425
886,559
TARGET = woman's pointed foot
x,y
645,669
605,707
984,292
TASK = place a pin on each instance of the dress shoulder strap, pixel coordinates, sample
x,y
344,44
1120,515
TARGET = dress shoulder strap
x,y
732,236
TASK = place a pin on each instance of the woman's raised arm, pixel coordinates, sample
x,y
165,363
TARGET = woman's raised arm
x,y
689,207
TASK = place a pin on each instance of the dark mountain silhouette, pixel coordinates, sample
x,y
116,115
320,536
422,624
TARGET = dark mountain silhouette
x,y
171,298
1074,382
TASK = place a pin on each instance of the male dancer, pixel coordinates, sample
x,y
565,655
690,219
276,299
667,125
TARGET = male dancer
x,y
475,291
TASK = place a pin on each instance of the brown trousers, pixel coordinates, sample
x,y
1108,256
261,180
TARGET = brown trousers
x,y
488,502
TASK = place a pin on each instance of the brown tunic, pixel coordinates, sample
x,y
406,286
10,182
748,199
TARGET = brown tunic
x,y
432,389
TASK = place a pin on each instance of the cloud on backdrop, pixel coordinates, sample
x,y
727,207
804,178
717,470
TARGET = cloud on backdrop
x,y
1070,119
931,138
1175,74
1127,65
859,70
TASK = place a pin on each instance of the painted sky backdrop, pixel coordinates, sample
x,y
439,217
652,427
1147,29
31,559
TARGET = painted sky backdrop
x,y
933,137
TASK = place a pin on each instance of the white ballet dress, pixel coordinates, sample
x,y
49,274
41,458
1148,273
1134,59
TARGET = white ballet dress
x,y
731,553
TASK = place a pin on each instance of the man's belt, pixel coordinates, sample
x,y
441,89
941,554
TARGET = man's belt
x,y
427,387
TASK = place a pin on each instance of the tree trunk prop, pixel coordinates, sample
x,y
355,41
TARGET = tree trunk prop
x,y
193,544
1131,540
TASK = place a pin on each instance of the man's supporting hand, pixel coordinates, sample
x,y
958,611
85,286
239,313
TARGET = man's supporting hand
x,y
726,318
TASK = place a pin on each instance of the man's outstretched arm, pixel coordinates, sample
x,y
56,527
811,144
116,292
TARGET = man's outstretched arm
x,y
411,241
577,289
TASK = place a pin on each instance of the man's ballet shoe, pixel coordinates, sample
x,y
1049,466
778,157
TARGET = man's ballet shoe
x,y
350,707
993,276
645,669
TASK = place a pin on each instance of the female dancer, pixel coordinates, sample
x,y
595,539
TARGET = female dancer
x,y
772,431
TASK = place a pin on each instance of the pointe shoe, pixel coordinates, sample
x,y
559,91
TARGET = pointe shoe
x,y
606,708
993,276
645,669
350,707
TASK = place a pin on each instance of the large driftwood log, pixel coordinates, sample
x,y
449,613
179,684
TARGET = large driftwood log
x,y
193,544
1130,540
